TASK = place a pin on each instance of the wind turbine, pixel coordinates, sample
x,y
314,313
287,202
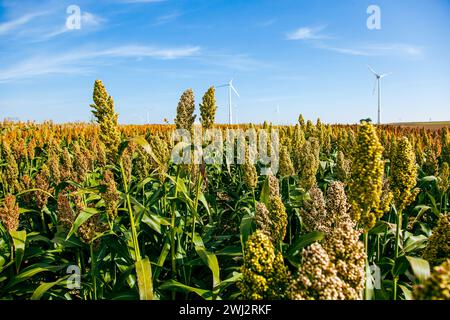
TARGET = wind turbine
x,y
230,109
378,77
148,114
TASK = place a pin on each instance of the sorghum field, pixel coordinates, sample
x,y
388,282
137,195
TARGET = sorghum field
x,y
99,211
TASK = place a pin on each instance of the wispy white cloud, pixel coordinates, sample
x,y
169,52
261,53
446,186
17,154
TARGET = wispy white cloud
x,y
306,33
91,19
167,18
151,52
8,26
241,62
395,48
376,49
315,38
267,23
341,50
83,62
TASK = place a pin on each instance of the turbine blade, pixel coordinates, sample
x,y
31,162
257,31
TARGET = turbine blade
x,y
373,71
374,86
234,90
385,75
222,86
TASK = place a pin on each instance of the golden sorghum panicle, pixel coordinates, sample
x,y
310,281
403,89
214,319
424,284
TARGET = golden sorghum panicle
x,y
336,202
66,168
264,275
311,130
403,174
351,140
99,152
9,213
341,141
317,277
285,140
42,182
437,286
31,147
348,255
301,120
344,251
309,163
326,139
262,219
107,118
185,111
320,131
208,109
161,150
10,175
443,178
342,168
66,215
142,164
250,175
81,162
53,166
278,218
274,185
386,197
298,140
430,165
88,229
314,214
366,180
26,184
127,161
111,195
286,167
272,220
438,247
445,142
19,150
418,151
390,147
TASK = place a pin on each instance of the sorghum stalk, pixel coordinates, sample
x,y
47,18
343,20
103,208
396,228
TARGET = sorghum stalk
x,y
172,234
366,247
397,245
93,269
197,193
130,212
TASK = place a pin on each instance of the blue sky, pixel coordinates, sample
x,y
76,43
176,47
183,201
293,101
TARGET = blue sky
x,y
294,56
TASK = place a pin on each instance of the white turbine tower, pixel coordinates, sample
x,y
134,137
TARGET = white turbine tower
x,y
148,112
378,77
230,87
277,111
